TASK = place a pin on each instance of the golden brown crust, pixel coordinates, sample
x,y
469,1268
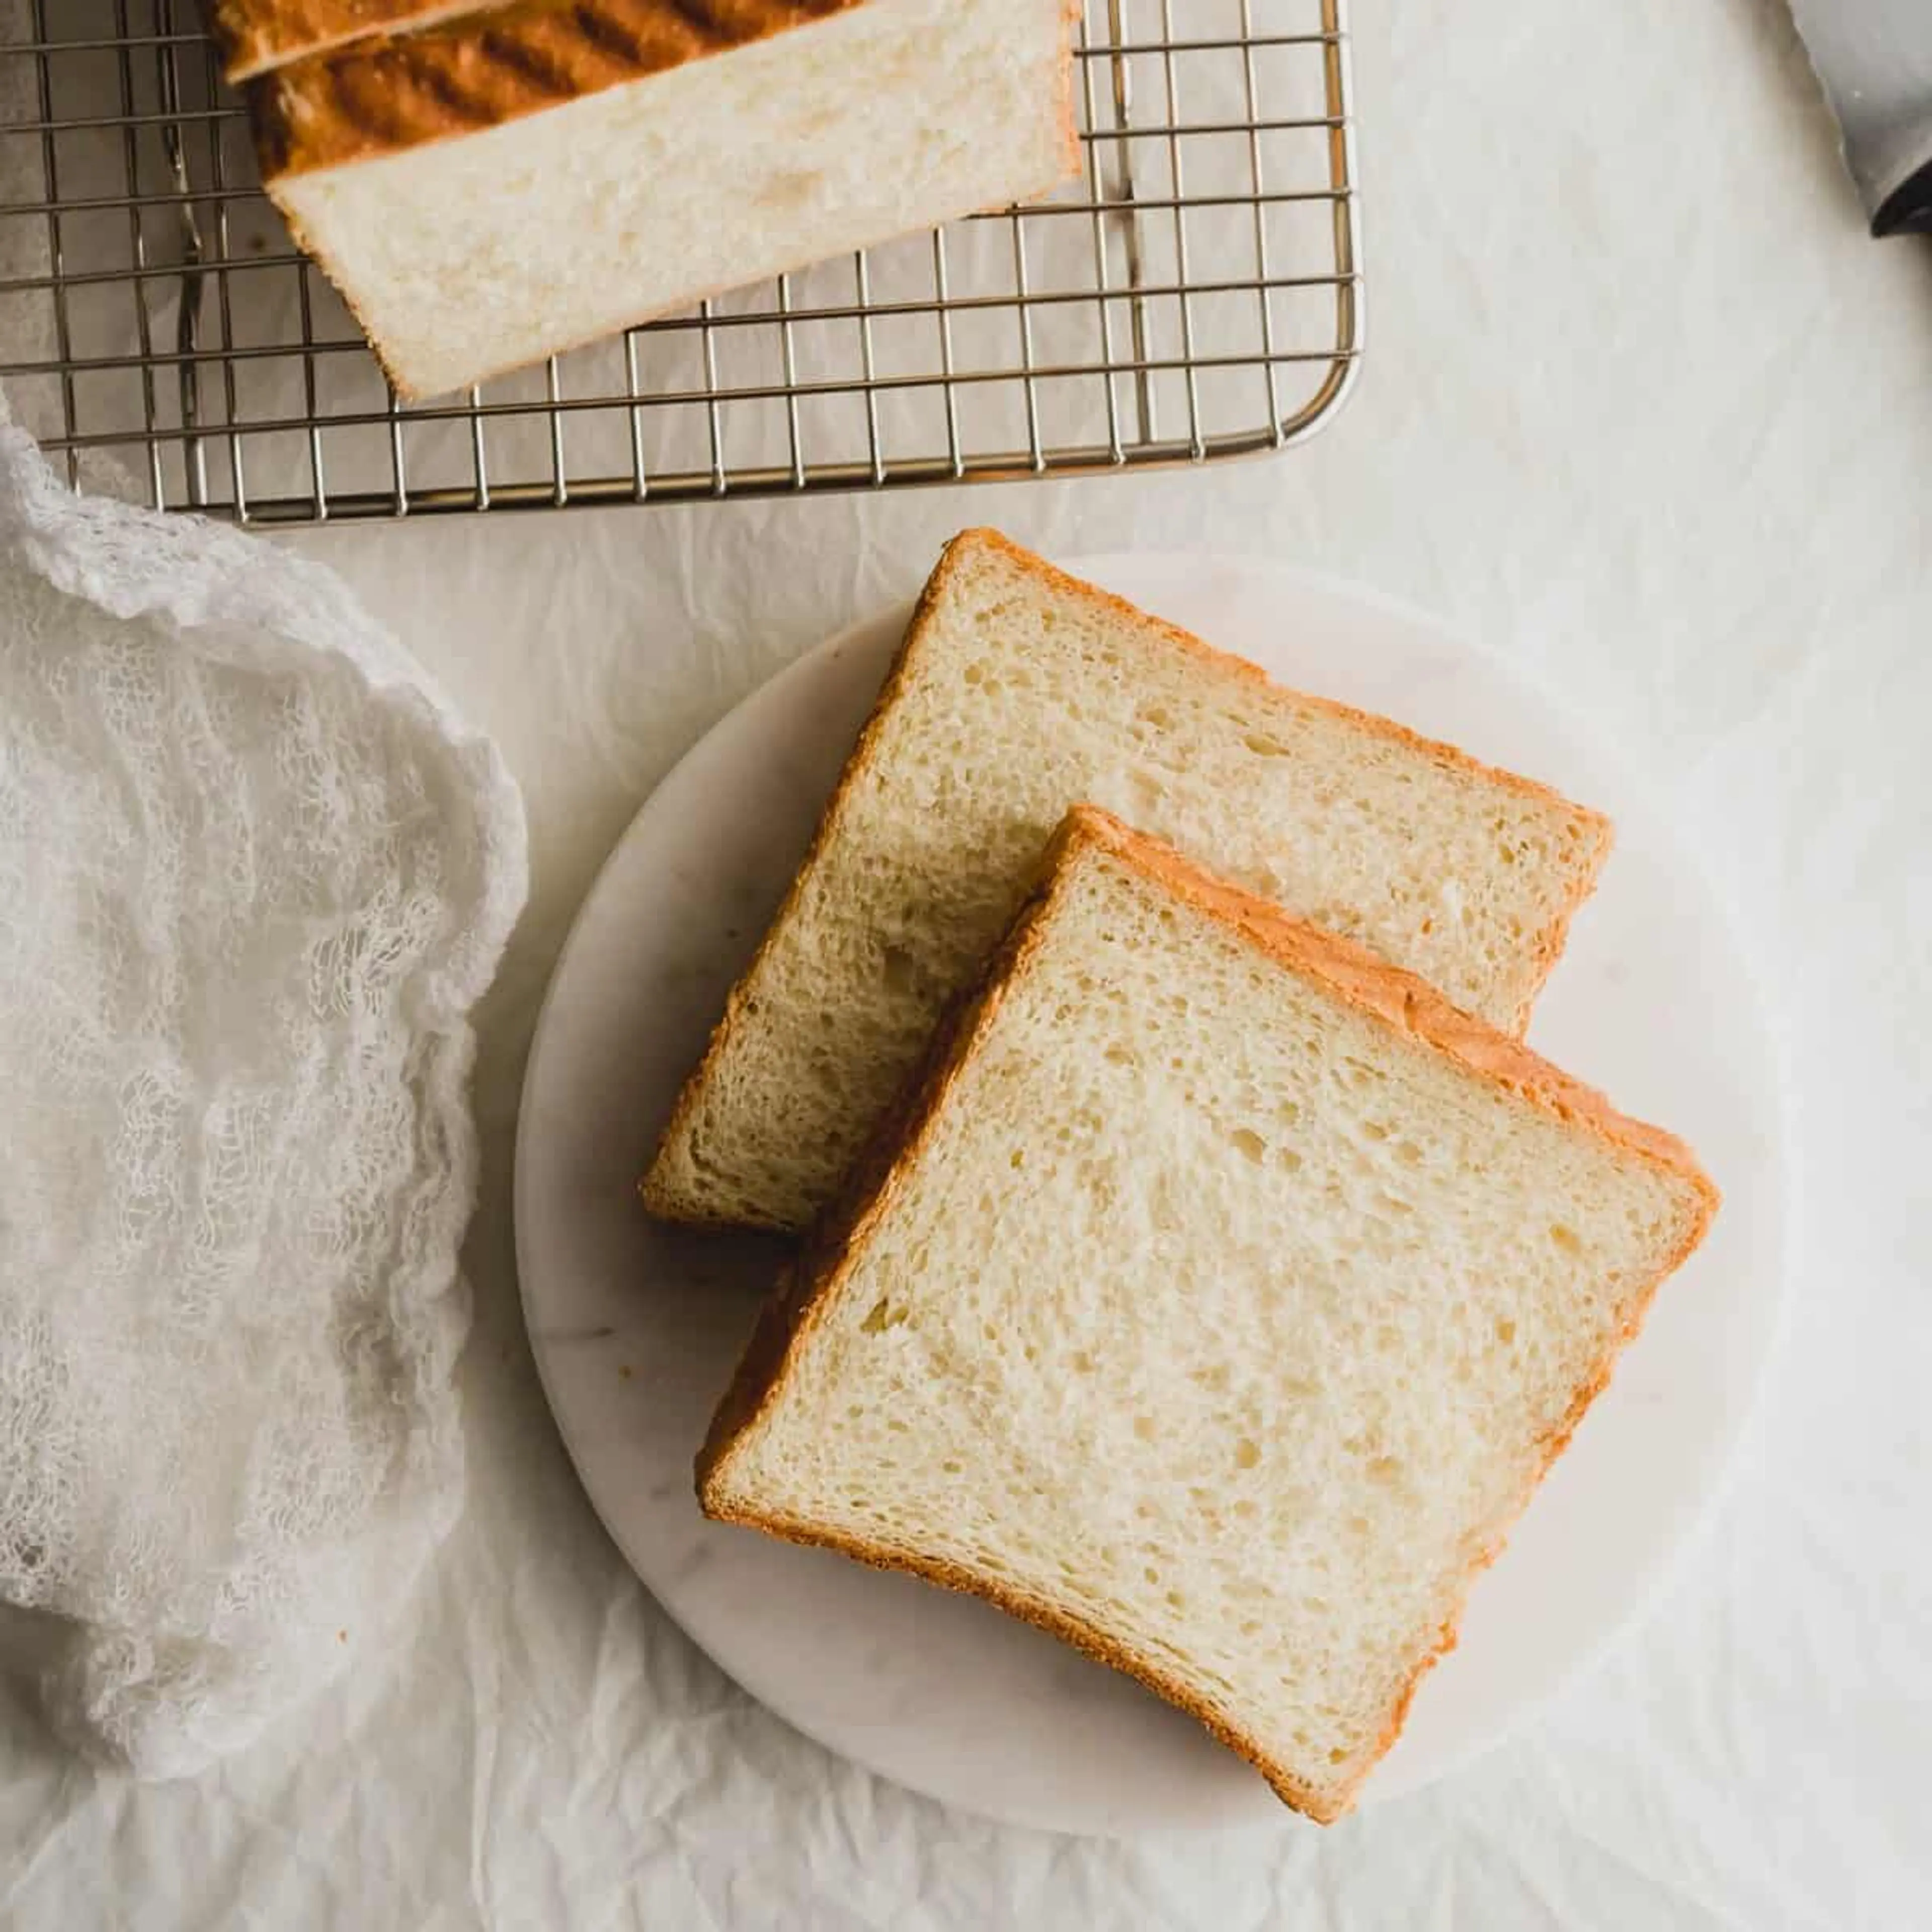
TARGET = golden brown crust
x,y
660,1195
255,35
382,95
1394,998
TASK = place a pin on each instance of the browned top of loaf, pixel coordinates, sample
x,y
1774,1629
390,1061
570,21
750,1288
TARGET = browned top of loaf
x,y
1396,997
257,34
380,96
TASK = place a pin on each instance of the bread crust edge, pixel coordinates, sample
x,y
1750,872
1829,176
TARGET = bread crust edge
x,y
470,67
1395,998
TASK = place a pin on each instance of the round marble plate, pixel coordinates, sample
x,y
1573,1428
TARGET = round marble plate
x,y
636,1328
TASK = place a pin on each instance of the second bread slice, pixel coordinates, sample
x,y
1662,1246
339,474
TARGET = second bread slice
x,y
1018,692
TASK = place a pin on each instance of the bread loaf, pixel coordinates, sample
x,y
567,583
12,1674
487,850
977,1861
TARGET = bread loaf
x,y
505,187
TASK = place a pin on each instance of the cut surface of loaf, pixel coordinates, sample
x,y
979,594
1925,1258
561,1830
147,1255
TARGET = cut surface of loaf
x,y
1215,1302
1020,692
500,189
255,35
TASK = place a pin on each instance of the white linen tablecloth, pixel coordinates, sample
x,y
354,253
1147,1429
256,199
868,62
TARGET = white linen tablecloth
x,y
1644,411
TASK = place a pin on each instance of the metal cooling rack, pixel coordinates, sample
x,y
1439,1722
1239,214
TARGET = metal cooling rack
x,y
1196,295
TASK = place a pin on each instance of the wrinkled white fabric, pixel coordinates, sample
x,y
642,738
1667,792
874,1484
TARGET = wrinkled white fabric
x,y
254,877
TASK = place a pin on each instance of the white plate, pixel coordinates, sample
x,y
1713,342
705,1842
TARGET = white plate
x,y
636,1328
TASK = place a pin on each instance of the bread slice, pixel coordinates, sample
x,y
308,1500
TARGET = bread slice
x,y
1217,1304
255,35
504,188
1018,692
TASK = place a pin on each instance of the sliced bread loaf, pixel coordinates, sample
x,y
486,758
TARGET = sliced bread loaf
x,y
1216,1302
504,187
1018,692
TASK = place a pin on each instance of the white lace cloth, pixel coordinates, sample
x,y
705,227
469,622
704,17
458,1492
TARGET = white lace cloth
x,y
253,875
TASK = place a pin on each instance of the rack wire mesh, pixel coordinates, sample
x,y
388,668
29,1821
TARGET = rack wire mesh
x,y
1196,295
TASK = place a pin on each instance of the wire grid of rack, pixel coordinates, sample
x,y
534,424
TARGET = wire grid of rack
x,y
1194,294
